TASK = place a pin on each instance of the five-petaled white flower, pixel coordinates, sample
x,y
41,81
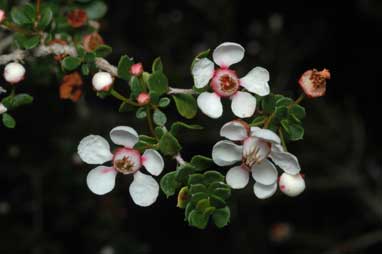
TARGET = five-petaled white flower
x,y
225,83
94,149
257,145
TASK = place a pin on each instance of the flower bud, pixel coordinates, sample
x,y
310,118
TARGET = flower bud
x,y
102,81
2,15
291,185
143,98
136,69
3,108
14,72
313,82
77,18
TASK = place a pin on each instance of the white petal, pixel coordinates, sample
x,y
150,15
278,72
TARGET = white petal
x,y
101,179
202,71
286,161
265,134
210,104
237,177
226,153
255,150
256,81
144,190
94,149
234,130
264,172
264,191
228,53
243,104
292,185
153,162
124,136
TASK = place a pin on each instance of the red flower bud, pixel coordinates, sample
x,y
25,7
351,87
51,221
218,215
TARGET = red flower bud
x,y
143,98
136,69
77,18
2,15
313,82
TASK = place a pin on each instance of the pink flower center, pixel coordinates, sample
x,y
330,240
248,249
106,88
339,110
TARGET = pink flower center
x,y
127,160
225,82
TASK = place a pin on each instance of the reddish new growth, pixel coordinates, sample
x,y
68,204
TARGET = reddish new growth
x,y
92,41
71,87
58,57
136,69
77,18
313,82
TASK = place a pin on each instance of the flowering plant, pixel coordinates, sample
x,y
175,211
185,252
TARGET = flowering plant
x,y
262,126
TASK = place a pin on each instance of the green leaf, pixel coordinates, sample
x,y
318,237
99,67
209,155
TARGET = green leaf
x,y
159,117
297,112
221,217
169,145
284,101
186,105
223,193
159,131
158,83
195,198
164,102
141,113
21,100
169,184
203,204
213,176
201,162
96,10
217,201
259,120
9,121
198,219
189,208
90,57
124,65
147,139
71,63
195,179
178,126
46,16
157,65
124,107
183,172
85,69
135,87
281,112
27,42
295,131
20,16
195,188
103,50
268,104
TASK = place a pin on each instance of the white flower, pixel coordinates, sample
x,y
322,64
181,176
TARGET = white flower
x,y
3,108
102,81
94,149
225,83
256,148
14,72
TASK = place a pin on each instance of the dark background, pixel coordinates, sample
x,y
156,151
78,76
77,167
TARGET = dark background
x,y
45,206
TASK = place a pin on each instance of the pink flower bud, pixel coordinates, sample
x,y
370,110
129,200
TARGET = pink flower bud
x,y
136,69
313,82
143,98
14,72
291,185
2,16
102,81
3,108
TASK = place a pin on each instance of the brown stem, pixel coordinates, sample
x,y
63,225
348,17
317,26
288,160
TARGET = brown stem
x,y
150,121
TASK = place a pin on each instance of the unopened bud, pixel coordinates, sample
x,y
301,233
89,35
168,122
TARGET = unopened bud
x,y
2,15
14,72
143,98
291,185
77,18
102,81
3,108
136,69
